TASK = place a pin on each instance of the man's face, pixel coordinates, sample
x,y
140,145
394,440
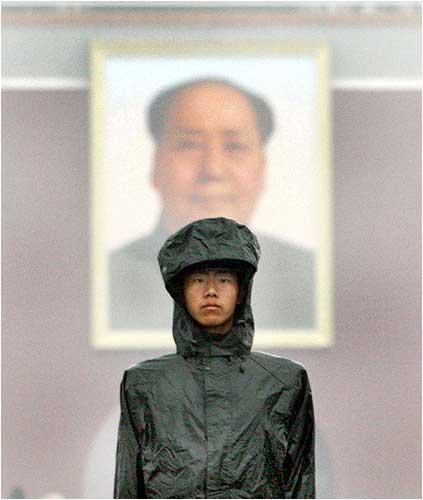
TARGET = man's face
x,y
211,298
210,160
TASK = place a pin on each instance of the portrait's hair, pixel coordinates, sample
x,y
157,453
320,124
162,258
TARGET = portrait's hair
x,y
158,108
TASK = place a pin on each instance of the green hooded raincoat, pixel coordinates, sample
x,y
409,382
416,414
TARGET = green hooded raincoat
x,y
214,420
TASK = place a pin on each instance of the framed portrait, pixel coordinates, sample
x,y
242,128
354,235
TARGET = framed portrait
x,y
145,94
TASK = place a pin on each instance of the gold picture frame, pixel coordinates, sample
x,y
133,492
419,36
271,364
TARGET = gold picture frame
x,y
125,76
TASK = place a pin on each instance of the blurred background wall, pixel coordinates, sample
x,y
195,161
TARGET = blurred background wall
x,y
60,404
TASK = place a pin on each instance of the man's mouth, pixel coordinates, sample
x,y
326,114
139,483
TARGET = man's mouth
x,y
210,307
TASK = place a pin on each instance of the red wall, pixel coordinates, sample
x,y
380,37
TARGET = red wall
x,y
57,390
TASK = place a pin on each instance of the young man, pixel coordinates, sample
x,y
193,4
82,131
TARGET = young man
x,y
214,420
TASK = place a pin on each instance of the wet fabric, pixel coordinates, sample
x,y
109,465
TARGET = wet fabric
x,y
214,420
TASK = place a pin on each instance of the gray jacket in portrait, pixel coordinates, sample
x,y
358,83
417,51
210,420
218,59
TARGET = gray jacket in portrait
x,y
285,285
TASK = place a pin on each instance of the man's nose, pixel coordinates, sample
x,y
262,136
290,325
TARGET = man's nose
x,y
210,288
212,161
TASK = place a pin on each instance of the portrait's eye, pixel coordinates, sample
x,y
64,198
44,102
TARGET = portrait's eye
x,y
188,145
236,147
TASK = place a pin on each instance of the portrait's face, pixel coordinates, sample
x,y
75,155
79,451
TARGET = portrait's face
x,y
211,298
210,160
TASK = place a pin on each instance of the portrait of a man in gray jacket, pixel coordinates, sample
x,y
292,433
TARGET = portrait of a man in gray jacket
x,y
210,139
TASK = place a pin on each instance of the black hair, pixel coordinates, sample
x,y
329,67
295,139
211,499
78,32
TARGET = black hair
x,y
158,108
241,268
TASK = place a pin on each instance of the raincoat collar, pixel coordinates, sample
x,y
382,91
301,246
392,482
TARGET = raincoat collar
x,y
193,341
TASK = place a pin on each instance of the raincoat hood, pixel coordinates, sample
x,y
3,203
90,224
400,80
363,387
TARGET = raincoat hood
x,y
213,241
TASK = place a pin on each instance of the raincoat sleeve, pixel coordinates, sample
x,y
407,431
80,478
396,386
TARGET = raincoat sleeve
x,y
129,481
293,442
